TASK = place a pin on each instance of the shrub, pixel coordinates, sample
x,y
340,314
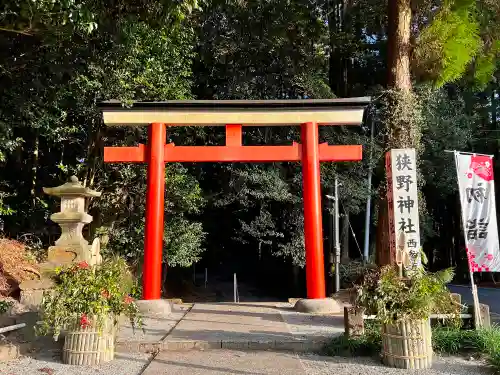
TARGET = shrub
x,y
392,298
445,340
83,294
4,306
353,271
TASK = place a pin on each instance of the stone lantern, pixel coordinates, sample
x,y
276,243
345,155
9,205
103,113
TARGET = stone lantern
x,y
72,246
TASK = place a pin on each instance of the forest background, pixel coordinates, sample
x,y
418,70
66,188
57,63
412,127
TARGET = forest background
x,y
429,65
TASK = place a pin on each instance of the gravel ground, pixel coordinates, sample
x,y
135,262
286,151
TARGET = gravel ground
x,y
317,365
213,362
124,364
235,362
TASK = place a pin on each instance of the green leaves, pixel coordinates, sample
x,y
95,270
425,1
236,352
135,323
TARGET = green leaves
x,y
460,34
391,298
83,292
124,228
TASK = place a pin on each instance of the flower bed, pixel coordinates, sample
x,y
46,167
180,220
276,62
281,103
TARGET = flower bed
x,y
88,302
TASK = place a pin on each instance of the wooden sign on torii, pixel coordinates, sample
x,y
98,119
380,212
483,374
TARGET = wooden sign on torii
x,y
233,114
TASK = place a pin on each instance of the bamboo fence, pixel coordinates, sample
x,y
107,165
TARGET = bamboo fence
x,y
407,344
90,345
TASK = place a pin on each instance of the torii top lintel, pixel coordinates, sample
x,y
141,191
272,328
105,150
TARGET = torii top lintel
x,y
234,114
345,111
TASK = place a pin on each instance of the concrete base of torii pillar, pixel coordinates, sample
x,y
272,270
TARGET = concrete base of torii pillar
x,y
318,306
154,307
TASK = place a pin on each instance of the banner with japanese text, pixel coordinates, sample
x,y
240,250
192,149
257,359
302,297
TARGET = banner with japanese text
x,y
402,197
477,197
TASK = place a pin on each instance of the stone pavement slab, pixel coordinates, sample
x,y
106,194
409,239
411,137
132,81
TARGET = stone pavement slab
x,y
311,326
259,325
216,322
154,330
234,362
212,362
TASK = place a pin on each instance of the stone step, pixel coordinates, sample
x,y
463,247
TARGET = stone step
x,y
244,326
300,346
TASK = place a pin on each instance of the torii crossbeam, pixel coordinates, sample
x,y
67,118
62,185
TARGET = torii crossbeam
x,y
233,114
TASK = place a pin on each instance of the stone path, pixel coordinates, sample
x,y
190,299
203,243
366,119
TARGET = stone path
x,y
232,326
251,326
213,362
223,333
224,362
309,326
154,331
221,361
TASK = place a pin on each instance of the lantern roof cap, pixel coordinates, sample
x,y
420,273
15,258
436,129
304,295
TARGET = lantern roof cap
x,y
72,188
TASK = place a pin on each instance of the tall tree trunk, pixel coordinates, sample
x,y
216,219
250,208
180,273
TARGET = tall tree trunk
x,y
339,20
401,131
399,32
93,147
333,28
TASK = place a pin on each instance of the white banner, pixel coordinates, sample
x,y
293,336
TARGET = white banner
x,y
479,217
402,196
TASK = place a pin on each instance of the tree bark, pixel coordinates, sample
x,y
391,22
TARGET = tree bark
x,y
399,33
339,20
399,133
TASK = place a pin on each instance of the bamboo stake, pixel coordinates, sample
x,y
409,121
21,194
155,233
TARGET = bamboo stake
x,y
406,361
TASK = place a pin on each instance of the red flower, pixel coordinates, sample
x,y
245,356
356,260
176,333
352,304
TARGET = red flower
x,y
489,256
83,265
105,294
128,300
84,321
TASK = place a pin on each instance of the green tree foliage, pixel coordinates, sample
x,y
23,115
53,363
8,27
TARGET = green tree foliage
x,y
462,35
51,83
58,59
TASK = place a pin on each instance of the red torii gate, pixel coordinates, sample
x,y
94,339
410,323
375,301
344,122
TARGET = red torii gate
x,y
233,114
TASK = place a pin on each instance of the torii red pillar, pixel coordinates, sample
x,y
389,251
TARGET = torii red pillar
x,y
157,153
313,224
155,208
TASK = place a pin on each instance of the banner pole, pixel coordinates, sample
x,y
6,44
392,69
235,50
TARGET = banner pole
x,y
466,153
475,297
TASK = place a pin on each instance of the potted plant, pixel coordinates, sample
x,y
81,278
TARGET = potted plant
x,y
403,306
86,303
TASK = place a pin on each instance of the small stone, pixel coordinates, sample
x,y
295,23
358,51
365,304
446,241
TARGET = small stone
x,y
8,352
471,358
47,370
